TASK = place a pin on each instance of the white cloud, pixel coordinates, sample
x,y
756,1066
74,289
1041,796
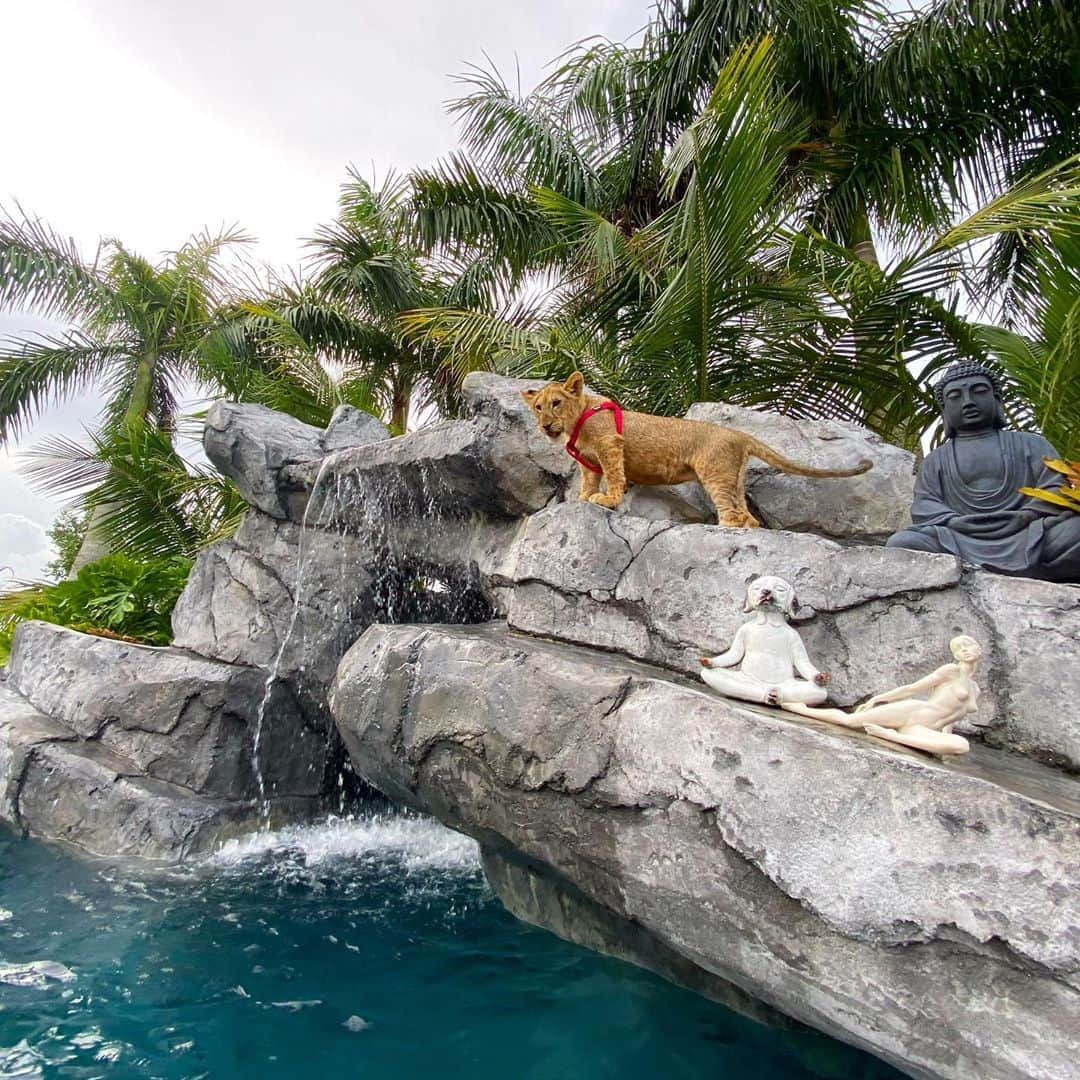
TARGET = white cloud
x,y
24,549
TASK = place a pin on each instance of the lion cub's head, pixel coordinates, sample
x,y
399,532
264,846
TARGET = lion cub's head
x,y
558,405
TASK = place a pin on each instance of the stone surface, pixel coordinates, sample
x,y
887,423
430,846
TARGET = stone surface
x,y
497,464
280,598
926,912
60,787
870,506
252,445
350,426
178,718
873,617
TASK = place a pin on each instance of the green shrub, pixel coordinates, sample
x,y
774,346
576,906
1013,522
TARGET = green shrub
x,y
116,596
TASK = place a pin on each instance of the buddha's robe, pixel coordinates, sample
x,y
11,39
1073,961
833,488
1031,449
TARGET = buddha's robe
x,y
998,529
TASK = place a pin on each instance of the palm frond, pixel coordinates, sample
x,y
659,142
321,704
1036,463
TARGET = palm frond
x,y
44,272
37,373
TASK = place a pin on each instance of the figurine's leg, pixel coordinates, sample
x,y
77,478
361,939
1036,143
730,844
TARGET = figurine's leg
x,y
914,540
610,453
830,716
735,684
1061,550
895,714
590,483
801,690
726,494
922,738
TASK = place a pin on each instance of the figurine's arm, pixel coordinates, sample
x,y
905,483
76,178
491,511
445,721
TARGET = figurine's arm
x,y
801,659
928,682
732,656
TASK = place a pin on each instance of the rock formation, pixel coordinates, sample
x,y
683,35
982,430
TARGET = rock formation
x,y
926,911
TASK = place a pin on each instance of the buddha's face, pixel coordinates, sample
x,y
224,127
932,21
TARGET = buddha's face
x,y
969,404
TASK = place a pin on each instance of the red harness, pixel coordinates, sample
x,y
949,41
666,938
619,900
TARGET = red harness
x,y
571,445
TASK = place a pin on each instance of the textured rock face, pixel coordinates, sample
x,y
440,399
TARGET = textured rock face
x,y
178,718
926,912
871,506
55,785
668,593
497,464
255,446
124,749
262,600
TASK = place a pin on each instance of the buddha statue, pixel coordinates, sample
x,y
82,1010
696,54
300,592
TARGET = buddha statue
x,y
967,500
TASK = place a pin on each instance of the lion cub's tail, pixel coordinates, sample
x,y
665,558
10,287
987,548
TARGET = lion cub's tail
x,y
755,448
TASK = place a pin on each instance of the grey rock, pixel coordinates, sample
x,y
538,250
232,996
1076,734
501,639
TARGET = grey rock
x,y
1035,628
178,718
870,506
57,786
350,426
926,912
289,600
22,728
252,445
669,593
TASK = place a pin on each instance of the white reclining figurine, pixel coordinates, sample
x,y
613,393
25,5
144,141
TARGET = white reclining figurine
x,y
924,723
769,653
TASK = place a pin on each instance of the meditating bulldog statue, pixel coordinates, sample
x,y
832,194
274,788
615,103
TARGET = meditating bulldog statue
x,y
967,496
767,657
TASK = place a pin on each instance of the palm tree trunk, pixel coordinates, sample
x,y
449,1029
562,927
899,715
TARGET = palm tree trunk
x,y
95,544
860,239
399,408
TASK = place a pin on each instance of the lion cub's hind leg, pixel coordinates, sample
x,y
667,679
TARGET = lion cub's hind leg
x,y
725,488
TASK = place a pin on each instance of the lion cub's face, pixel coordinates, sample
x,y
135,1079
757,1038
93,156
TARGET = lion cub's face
x,y
558,405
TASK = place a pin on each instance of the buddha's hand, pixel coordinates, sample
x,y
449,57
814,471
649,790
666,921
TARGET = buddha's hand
x,y
704,661
993,526
822,678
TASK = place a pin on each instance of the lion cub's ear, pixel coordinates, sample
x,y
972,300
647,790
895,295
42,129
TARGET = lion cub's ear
x,y
529,395
575,384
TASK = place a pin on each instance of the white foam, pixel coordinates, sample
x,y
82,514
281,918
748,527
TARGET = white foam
x,y
36,973
419,843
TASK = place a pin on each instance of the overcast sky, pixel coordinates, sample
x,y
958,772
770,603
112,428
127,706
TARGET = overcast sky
x,y
149,120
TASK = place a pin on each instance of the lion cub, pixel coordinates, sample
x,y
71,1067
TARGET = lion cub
x,y
657,450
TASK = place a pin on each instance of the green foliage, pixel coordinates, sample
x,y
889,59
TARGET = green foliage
x,y
144,497
66,536
706,205
117,595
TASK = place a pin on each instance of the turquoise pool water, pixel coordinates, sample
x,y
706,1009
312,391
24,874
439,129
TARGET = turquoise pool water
x,y
356,948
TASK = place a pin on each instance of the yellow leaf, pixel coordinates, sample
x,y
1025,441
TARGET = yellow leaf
x,y
1052,497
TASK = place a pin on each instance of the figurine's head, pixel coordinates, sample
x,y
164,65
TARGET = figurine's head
x,y
969,397
771,592
965,648
558,405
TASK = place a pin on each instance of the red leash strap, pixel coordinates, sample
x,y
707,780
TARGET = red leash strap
x,y
571,445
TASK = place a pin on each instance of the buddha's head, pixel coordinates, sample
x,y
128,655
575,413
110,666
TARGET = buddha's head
x,y
969,397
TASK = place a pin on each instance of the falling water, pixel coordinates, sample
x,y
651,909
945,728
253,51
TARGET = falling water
x,y
393,511
271,676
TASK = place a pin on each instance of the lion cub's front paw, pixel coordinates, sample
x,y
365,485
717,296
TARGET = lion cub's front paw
x,y
736,520
602,499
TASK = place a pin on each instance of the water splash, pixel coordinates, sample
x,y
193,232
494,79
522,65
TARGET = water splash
x,y
418,844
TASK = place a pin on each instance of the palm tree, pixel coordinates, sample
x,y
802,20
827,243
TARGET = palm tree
x,y
365,272
137,331
887,126
717,297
